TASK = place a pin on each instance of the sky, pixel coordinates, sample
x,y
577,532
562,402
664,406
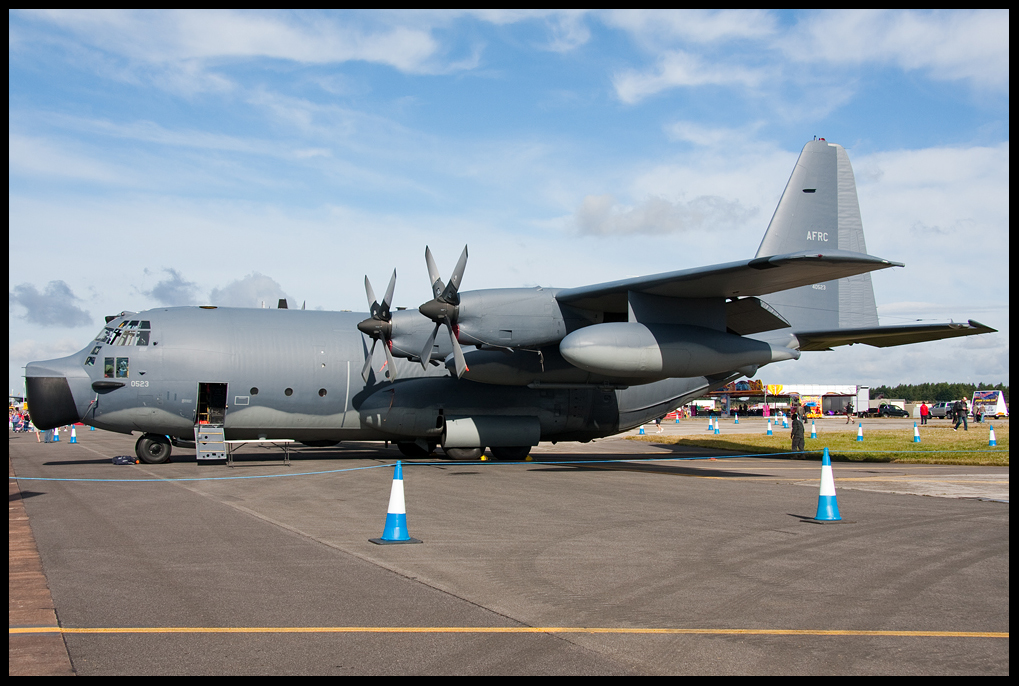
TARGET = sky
x,y
164,158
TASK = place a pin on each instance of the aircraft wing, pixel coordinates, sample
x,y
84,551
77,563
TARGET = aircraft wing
x,y
888,336
735,279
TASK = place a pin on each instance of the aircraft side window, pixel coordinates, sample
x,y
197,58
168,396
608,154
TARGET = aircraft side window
x,y
121,367
108,368
143,338
89,361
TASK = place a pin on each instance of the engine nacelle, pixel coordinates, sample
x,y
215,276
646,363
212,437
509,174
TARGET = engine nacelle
x,y
632,349
510,317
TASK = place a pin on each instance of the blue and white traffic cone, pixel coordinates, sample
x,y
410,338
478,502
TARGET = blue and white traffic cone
x,y
994,441
737,418
711,423
859,432
770,432
56,435
74,436
827,503
813,429
717,424
785,422
396,519
916,433
91,428
641,432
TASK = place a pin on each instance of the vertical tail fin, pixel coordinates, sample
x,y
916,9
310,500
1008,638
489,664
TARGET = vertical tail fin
x,y
819,212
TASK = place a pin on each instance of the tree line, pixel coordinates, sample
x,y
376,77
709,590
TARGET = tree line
x,y
936,392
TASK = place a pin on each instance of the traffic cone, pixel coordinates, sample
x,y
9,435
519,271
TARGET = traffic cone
x,y
91,428
827,504
396,518
916,433
737,418
56,435
770,432
711,423
785,422
813,429
641,432
859,432
74,436
994,441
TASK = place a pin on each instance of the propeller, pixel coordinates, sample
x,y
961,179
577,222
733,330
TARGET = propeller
x,y
443,308
379,325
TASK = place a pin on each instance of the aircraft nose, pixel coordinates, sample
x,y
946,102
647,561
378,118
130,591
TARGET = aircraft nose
x,y
50,401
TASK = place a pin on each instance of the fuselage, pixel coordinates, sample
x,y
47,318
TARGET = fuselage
x,y
277,373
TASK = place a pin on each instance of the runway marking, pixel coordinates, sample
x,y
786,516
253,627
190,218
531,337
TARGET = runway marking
x,y
500,630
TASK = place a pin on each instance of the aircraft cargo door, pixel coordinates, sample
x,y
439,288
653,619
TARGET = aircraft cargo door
x,y
211,404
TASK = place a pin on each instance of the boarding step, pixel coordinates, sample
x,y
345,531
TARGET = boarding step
x,y
209,443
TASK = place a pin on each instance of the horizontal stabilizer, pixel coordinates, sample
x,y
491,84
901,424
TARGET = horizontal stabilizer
x,y
758,276
888,336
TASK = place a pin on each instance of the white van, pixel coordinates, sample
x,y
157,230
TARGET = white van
x,y
989,404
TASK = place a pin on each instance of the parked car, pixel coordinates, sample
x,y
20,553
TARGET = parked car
x,y
944,410
887,411
892,411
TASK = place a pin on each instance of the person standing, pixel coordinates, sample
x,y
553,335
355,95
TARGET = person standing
x,y
961,411
924,414
797,433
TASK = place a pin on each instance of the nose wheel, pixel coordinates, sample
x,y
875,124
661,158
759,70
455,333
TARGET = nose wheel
x,y
153,449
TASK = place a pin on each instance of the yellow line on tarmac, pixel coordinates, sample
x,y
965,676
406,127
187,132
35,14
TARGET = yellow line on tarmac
x,y
496,630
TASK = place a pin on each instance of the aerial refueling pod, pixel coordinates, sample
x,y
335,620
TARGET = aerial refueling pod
x,y
632,349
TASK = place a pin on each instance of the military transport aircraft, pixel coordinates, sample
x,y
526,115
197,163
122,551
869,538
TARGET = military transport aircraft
x,y
541,364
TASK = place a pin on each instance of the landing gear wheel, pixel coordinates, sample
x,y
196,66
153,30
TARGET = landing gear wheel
x,y
464,453
511,453
153,449
415,450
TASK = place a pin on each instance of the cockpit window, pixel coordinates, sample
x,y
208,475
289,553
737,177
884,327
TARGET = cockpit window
x,y
134,332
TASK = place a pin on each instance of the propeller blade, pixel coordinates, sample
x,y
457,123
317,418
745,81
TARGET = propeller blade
x,y
433,274
387,301
426,352
373,302
389,361
458,354
368,363
450,293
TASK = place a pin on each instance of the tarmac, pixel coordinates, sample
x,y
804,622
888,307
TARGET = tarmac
x,y
613,557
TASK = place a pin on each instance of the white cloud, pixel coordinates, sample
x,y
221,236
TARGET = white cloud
x,y
679,68
600,215
36,156
695,26
174,290
23,351
183,35
970,45
254,290
56,306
